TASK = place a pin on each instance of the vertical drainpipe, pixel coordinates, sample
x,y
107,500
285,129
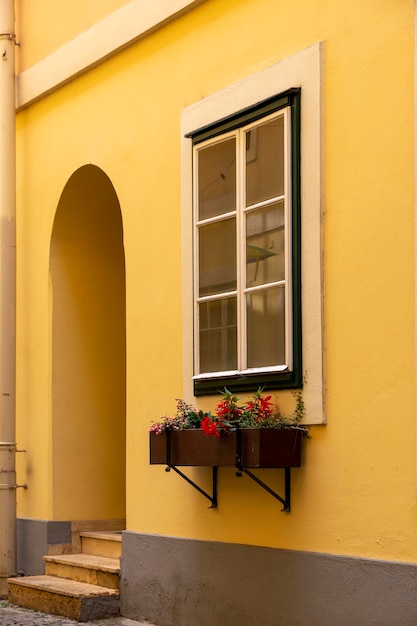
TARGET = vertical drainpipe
x,y
7,296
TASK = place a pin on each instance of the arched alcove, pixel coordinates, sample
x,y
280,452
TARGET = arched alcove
x,y
87,269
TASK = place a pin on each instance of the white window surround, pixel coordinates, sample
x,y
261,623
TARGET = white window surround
x,y
305,70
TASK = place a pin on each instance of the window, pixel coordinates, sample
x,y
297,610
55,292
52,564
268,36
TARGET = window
x,y
246,246
209,121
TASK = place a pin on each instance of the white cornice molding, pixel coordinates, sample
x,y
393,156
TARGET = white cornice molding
x,y
120,29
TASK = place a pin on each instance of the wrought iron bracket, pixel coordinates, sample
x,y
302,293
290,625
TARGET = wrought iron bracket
x,y
170,466
213,497
286,501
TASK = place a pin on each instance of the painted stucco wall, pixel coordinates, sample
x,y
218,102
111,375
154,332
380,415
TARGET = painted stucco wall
x,y
43,26
356,492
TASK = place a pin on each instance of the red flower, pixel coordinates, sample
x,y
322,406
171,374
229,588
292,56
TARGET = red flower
x,y
210,427
228,409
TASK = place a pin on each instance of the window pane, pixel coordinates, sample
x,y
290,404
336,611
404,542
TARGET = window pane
x,y
217,179
218,342
217,257
265,245
266,327
265,161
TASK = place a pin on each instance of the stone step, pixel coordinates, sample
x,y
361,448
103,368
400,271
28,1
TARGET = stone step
x,y
102,543
76,600
86,568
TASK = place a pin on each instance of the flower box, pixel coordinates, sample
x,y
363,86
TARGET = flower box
x,y
255,447
270,447
193,447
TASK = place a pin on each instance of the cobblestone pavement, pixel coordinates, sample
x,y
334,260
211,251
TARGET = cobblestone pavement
x,y
11,615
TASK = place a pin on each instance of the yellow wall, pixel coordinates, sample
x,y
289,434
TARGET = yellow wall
x,y
43,26
356,492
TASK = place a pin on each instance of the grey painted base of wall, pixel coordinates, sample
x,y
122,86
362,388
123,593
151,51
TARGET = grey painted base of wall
x,y
33,540
181,582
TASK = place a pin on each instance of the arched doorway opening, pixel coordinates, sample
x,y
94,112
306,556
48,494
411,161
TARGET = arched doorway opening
x,y
87,269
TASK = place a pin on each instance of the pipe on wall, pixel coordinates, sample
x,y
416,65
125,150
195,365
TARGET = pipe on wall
x,y
7,296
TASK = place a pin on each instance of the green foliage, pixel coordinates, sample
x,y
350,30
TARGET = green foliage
x,y
259,412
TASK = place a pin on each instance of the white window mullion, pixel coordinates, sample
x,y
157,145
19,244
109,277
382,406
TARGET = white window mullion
x,y
288,239
241,249
195,266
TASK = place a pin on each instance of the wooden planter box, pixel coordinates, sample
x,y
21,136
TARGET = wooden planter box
x,y
193,447
270,447
255,447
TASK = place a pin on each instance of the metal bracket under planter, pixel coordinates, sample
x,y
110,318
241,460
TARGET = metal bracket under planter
x,y
213,497
248,448
170,466
245,448
285,501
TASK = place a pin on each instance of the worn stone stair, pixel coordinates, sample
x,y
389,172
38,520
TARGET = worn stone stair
x,y
82,586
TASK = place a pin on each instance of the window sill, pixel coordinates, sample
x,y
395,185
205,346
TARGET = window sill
x,y
248,382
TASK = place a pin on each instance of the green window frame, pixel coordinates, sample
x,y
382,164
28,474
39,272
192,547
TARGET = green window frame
x,y
229,347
